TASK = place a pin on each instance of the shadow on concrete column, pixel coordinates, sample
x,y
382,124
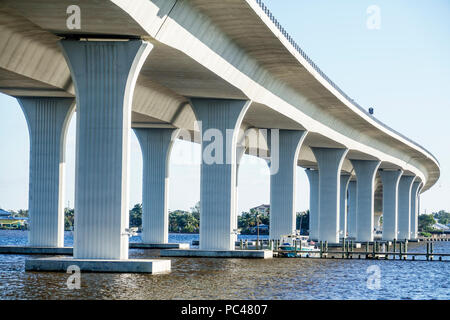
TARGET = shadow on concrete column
x,y
345,179
414,209
313,177
47,120
330,163
365,174
104,74
351,215
390,180
404,207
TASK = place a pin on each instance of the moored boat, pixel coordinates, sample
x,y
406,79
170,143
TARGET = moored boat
x,y
296,246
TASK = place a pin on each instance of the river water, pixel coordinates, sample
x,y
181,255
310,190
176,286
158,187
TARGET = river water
x,y
198,278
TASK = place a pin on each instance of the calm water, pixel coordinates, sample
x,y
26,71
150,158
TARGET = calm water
x,y
232,278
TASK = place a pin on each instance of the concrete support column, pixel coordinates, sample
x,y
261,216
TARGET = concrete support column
x,y
351,216
47,120
404,207
345,179
390,180
156,144
313,177
219,123
330,163
415,209
104,74
283,183
365,174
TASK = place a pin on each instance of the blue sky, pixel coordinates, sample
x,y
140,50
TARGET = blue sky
x,y
401,70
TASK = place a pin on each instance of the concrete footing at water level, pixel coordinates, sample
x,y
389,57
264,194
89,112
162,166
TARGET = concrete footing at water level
x,y
138,245
245,254
36,250
153,266
69,250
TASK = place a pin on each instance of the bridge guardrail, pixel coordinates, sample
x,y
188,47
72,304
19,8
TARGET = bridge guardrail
x,y
323,75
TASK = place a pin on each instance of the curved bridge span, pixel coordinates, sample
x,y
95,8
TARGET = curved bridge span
x,y
177,68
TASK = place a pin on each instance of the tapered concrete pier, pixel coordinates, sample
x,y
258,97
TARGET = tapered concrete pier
x,y
390,180
219,121
415,209
313,177
330,163
345,179
404,207
104,74
283,184
365,175
47,120
351,216
156,144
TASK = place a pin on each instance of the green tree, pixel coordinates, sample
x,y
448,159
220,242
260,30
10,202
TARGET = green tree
x,y
20,213
302,222
425,222
442,217
136,216
247,221
69,219
183,221
195,210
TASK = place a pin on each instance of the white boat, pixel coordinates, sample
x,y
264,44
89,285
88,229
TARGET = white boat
x,y
297,246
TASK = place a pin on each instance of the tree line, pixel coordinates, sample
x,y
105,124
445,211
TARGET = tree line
x,y
181,221
426,222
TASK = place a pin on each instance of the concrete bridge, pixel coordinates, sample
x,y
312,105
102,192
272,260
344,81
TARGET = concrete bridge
x,y
157,67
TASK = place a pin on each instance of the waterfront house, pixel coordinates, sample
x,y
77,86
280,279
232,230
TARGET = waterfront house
x,y
262,209
8,221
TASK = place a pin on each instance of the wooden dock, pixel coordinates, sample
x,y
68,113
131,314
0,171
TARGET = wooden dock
x,y
376,250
